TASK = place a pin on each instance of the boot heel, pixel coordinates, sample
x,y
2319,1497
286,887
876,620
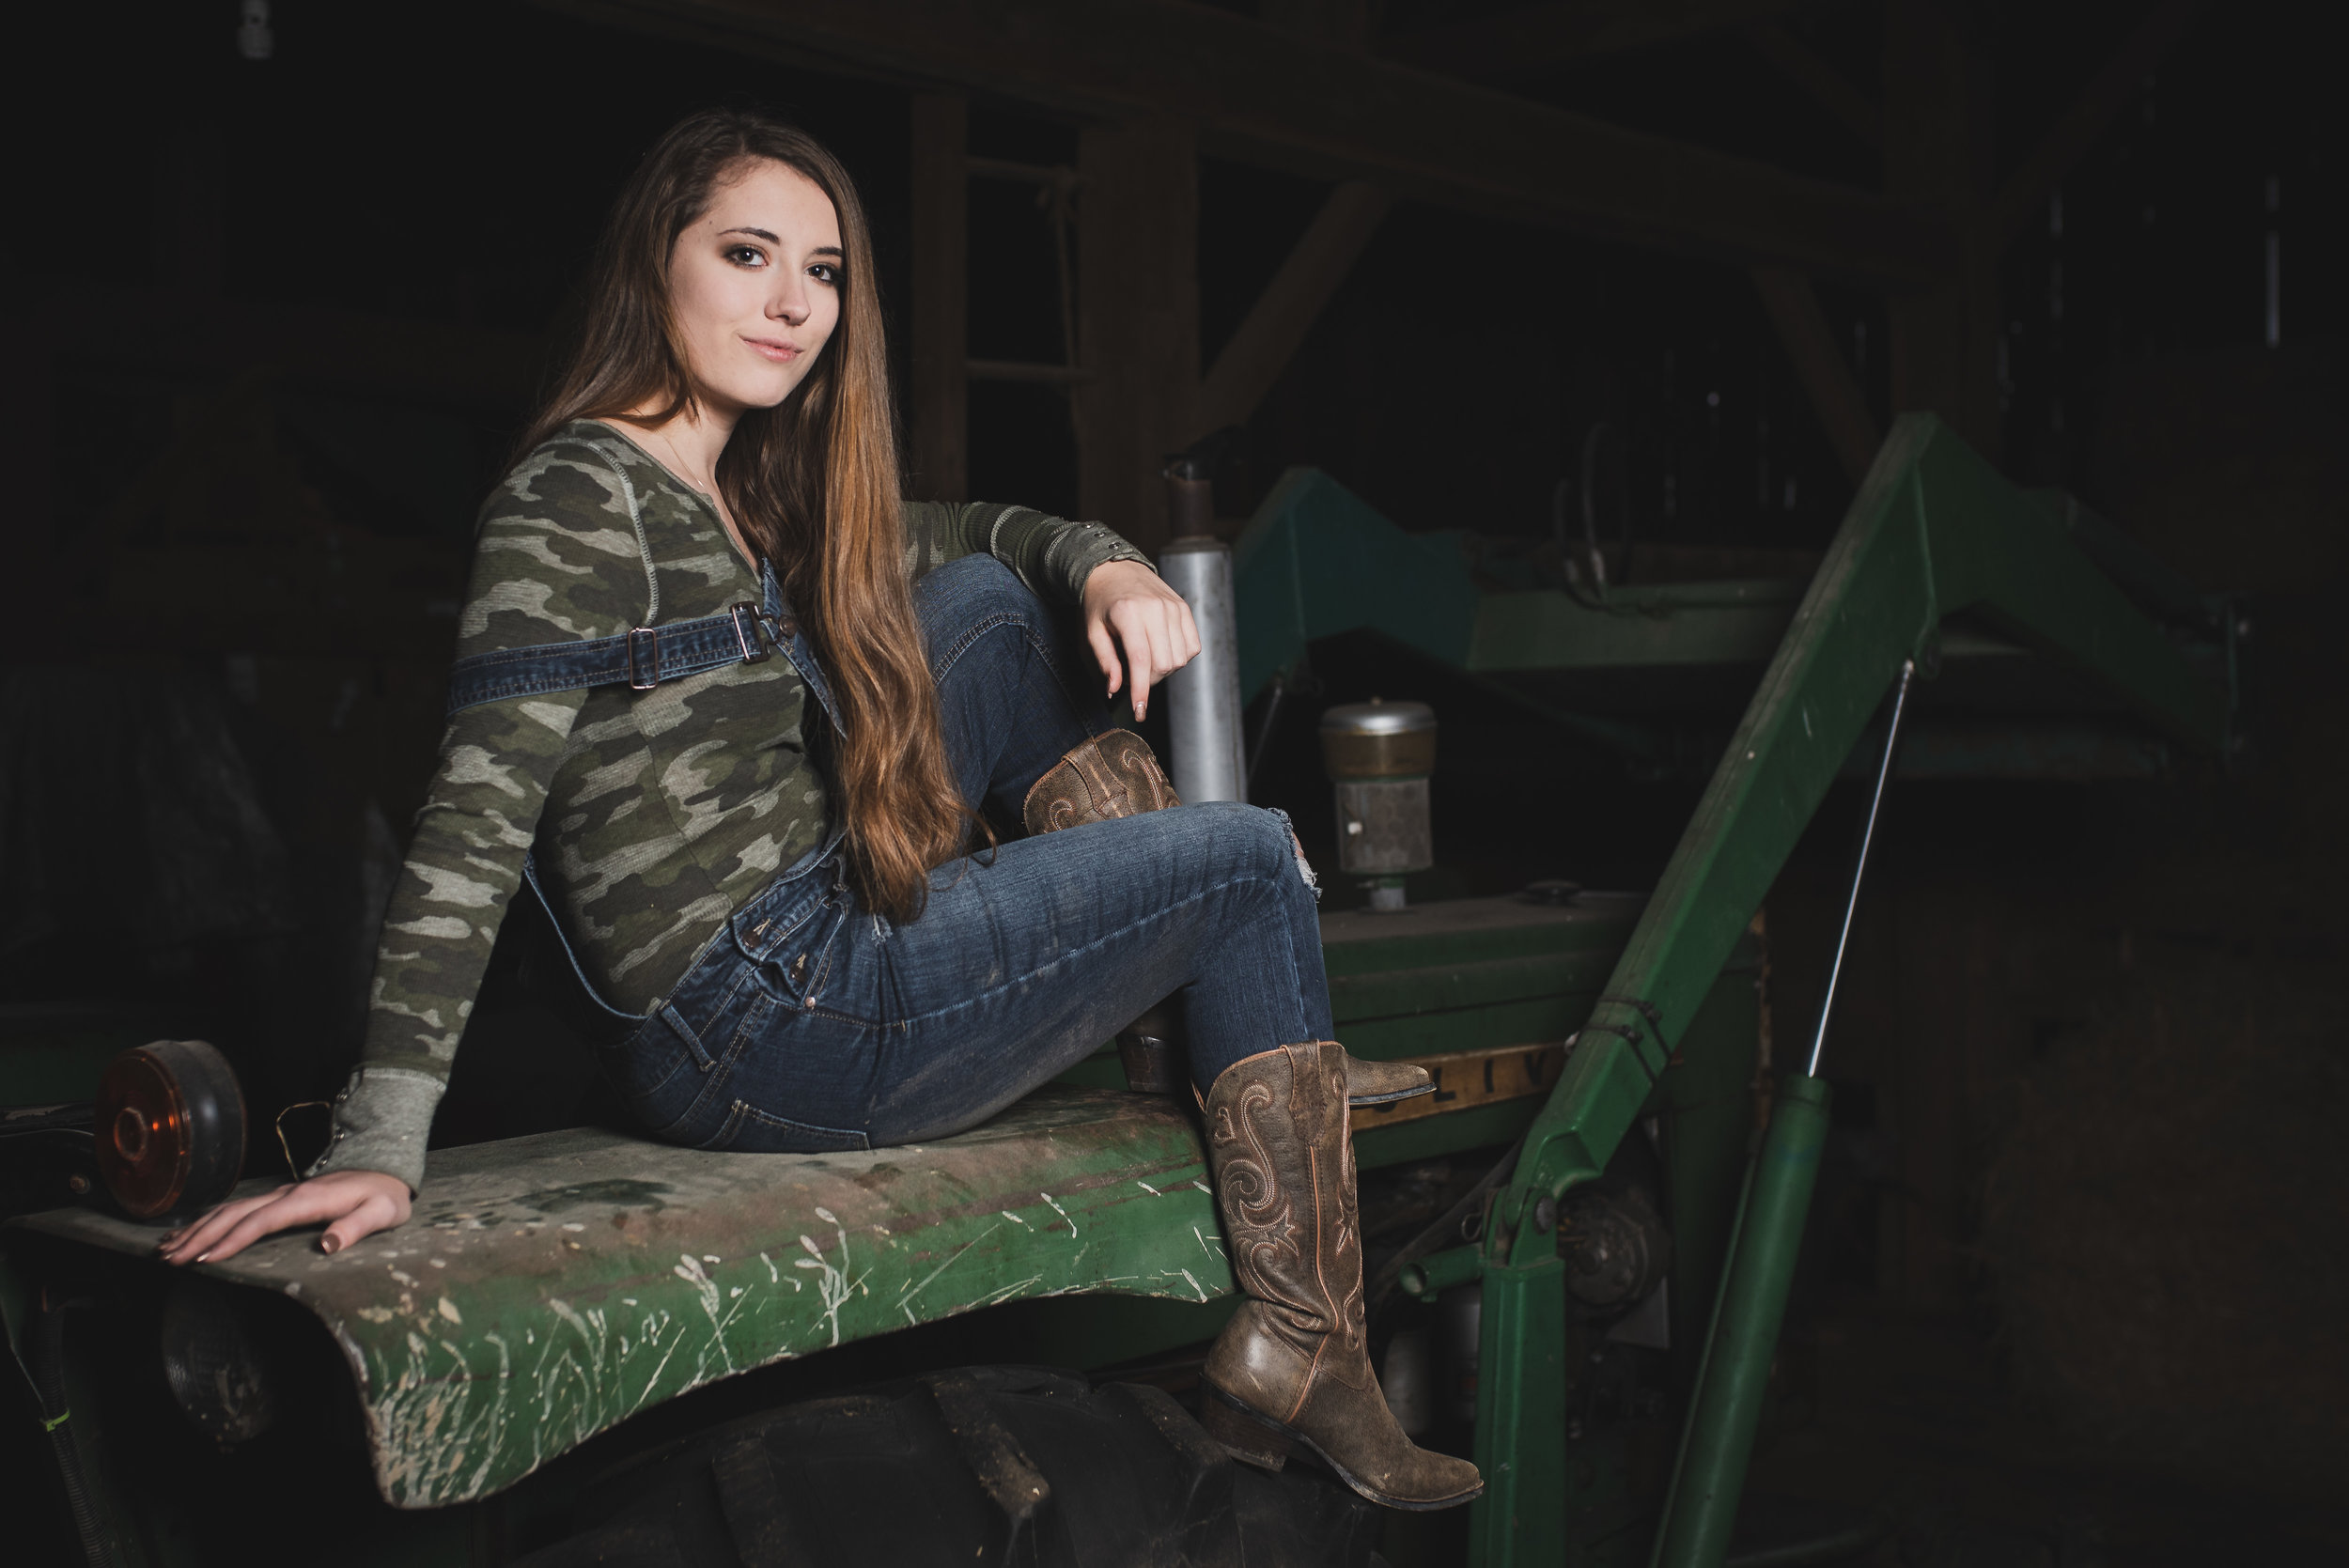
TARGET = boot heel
x,y
1246,1438
1153,1066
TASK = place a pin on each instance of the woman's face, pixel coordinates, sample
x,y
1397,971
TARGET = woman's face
x,y
754,284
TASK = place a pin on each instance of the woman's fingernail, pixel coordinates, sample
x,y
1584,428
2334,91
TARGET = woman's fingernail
x,y
200,1257
328,1244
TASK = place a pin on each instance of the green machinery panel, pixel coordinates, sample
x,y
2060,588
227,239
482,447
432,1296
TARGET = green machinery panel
x,y
548,1287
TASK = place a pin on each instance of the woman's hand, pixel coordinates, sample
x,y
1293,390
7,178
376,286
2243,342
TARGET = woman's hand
x,y
355,1204
1128,606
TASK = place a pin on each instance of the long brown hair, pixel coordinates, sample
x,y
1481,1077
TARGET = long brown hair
x,y
813,482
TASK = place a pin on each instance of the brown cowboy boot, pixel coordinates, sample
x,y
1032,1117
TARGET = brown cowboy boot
x,y
1110,774
1117,774
1378,1082
1293,1366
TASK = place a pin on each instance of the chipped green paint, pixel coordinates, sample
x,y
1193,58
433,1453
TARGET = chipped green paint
x,y
550,1287
547,1288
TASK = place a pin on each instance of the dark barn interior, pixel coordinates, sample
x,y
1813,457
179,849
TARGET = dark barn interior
x,y
1598,284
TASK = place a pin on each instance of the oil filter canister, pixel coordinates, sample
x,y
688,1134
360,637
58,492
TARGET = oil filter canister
x,y
1378,756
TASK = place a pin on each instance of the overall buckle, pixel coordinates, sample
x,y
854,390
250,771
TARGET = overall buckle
x,y
752,631
644,672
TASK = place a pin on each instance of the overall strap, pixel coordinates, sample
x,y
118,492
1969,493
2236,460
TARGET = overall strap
x,y
643,657
640,659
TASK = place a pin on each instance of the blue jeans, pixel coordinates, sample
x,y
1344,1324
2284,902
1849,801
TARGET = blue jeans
x,y
811,1022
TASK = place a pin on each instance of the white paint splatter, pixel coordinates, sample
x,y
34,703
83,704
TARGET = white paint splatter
x,y
951,1258
833,1283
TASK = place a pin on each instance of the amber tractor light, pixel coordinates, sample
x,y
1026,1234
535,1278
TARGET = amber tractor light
x,y
169,1128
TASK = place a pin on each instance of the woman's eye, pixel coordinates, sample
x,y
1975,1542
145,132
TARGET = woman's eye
x,y
747,255
824,272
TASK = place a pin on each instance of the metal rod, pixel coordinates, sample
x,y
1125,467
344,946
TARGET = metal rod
x,y
1867,837
1264,730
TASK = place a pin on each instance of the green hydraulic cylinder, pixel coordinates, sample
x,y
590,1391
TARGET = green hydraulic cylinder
x,y
1520,1521
1700,1508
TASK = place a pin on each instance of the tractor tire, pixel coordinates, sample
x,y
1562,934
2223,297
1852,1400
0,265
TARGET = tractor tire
x,y
1018,1467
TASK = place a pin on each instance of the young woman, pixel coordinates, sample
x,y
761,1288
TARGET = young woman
x,y
738,712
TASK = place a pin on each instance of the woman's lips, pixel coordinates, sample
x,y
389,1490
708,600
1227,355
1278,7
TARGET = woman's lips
x,y
773,349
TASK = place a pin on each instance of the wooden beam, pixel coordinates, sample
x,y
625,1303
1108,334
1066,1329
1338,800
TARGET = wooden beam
x,y
1822,82
1535,38
1285,311
1138,320
939,400
1261,96
1835,393
2114,88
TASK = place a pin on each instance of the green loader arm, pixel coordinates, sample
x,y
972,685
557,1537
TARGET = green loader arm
x,y
1933,532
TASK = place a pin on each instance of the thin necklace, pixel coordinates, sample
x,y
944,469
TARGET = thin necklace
x,y
725,520
681,469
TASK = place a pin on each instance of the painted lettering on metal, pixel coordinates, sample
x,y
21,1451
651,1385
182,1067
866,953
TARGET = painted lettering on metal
x,y
1468,1078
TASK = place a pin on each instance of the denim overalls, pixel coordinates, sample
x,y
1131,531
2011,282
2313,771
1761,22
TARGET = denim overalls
x,y
811,1022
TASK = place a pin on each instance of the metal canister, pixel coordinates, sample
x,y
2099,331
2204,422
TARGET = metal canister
x,y
1378,756
1203,697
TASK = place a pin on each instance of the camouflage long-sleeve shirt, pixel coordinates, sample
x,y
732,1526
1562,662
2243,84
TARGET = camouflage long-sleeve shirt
x,y
656,813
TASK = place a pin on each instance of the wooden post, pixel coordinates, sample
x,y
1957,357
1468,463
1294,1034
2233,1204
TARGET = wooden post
x,y
1138,319
940,401
1835,393
1944,348
2024,196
